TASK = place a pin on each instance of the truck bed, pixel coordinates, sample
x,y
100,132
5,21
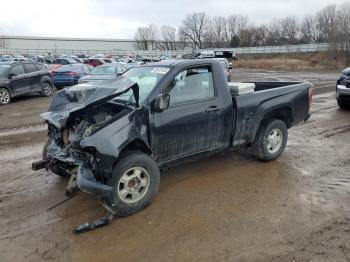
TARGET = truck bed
x,y
262,86
251,108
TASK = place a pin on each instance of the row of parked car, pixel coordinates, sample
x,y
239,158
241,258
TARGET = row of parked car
x,y
27,77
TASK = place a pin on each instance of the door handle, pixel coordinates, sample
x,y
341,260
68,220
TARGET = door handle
x,y
212,109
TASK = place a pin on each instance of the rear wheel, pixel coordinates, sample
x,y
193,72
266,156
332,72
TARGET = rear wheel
x,y
135,181
56,169
5,96
46,89
270,140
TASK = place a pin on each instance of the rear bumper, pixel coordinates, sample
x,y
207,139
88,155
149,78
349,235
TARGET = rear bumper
x,y
87,183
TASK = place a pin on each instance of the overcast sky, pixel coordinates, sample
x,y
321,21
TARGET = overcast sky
x,y
120,18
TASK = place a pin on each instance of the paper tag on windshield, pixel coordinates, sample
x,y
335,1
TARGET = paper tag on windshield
x,y
160,70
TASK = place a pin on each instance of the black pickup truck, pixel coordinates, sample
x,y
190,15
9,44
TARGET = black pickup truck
x,y
112,137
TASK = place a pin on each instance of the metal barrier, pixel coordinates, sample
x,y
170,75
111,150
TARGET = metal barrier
x,y
321,47
116,52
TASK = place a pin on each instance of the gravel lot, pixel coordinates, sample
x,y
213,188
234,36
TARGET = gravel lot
x,y
229,207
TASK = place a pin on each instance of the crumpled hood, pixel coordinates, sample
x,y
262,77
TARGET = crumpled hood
x,y
80,96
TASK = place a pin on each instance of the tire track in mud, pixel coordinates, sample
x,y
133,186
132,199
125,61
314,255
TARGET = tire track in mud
x,y
323,154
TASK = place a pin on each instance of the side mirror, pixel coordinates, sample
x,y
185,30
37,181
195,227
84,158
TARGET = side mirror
x,y
10,75
230,66
161,103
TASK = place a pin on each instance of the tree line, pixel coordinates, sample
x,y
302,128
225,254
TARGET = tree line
x,y
331,24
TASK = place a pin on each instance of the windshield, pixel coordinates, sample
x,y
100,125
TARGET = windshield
x,y
3,69
146,77
105,70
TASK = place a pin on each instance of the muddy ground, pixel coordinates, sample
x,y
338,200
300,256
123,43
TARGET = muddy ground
x,y
228,207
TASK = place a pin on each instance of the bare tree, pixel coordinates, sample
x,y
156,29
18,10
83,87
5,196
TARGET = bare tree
x,y
308,32
194,27
168,35
331,24
216,34
340,39
325,21
146,37
274,33
235,24
289,30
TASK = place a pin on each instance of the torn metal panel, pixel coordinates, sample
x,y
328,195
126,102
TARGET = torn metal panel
x,y
75,98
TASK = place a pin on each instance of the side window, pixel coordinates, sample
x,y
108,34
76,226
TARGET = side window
x,y
192,84
30,68
17,70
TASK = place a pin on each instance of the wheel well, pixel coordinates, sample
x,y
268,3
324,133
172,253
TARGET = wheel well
x,y
8,89
138,145
282,113
46,80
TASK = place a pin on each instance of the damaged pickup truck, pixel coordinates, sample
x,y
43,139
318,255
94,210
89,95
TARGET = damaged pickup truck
x,y
111,137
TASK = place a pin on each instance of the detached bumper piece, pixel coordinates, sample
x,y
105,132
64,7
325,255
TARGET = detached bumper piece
x,y
40,164
96,224
87,183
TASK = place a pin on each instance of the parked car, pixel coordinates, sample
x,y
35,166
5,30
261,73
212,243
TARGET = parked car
x,y
96,62
116,135
64,61
109,60
53,67
21,78
6,58
343,89
69,75
103,72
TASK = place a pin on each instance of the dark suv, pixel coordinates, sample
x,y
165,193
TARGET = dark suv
x,y
21,78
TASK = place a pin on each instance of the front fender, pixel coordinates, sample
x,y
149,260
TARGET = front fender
x,y
110,141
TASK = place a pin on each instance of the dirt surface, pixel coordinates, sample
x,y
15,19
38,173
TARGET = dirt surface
x,y
228,207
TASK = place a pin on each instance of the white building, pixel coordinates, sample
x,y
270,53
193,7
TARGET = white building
x,y
61,45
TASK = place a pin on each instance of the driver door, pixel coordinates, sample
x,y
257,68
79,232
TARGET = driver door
x,y
194,121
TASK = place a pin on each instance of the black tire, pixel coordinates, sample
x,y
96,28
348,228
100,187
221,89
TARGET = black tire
x,y
261,146
56,169
128,161
5,96
46,89
342,104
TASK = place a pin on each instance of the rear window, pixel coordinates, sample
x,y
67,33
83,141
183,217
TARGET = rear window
x,y
70,68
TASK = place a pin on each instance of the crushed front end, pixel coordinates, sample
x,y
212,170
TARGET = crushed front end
x,y
77,120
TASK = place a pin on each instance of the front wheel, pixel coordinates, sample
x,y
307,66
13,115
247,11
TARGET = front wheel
x,y
270,140
135,181
5,96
